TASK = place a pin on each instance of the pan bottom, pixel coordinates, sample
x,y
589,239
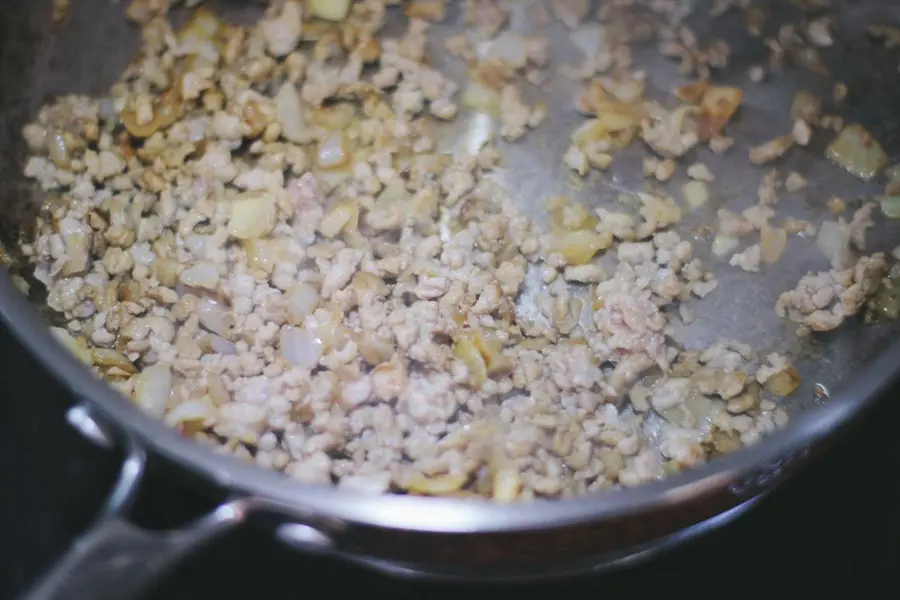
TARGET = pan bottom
x,y
622,559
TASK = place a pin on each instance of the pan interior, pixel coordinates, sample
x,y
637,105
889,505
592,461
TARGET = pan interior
x,y
87,51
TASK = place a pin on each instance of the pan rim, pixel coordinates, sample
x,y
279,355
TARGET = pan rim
x,y
439,515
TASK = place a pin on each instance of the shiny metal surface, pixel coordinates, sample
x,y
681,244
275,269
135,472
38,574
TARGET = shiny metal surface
x,y
86,52
592,565
115,559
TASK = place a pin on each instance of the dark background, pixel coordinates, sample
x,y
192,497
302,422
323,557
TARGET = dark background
x,y
835,527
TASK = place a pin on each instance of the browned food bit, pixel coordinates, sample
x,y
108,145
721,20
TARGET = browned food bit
x,y
429,10
718,106
771,150
784,383
143,120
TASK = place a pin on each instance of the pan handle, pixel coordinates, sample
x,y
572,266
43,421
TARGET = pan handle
x,y
117,560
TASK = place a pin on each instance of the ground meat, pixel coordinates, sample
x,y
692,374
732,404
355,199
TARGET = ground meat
x,y
822,301
287,270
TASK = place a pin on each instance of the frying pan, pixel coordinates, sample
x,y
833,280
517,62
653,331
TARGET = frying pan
x,y
432,537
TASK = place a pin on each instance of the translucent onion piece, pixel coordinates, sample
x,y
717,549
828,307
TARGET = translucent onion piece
x,y
342,216
506,485
216,390
436,486
203,275
718,106
783,383
723,244
290,114
466,350
263,254
696,194
568,215
375,350
579,247
152,388
890,206
806,107
191,415
300,347
214,316
330,10
833,241
300,302
253,215
858,152
219,345
427,10
772,243
333,152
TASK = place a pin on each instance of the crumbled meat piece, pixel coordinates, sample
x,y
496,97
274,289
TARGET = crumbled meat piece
x,y
794,182
822,301
747,260
700,172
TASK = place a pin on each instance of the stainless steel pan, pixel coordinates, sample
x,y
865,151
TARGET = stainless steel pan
x,y
413,536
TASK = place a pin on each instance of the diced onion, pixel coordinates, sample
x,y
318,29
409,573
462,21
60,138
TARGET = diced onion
x,y
466,351
783,383
833,241
301,301
342,216
263,254
723,244
772,243
805,107
300,347
108,358
253,215
219,345
579,247
890,206
858,152
213,316
152,388
696,194
506,485
330,10
437,485
196,414
375,350
718,106
203,275
290,114
333,152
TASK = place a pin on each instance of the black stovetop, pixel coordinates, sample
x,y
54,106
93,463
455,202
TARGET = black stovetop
x,y
838,524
